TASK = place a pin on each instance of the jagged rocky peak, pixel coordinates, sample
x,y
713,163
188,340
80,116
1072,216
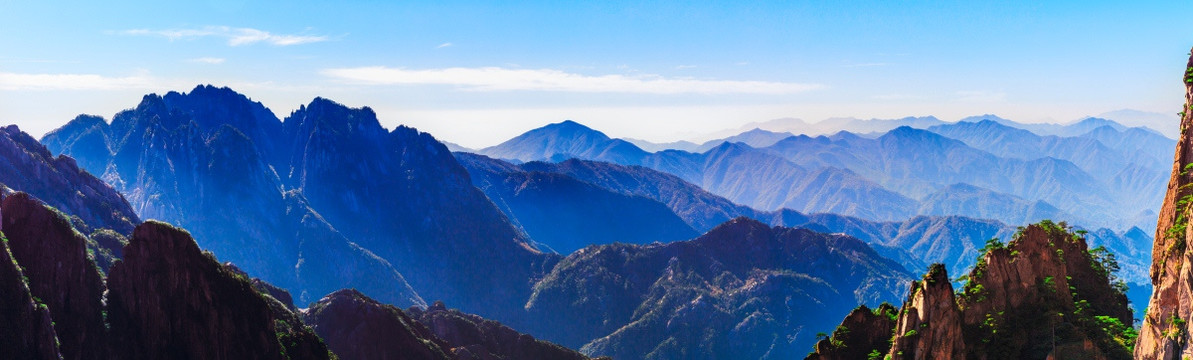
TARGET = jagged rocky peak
x,y
166,293
929,325
1044,295
1165,332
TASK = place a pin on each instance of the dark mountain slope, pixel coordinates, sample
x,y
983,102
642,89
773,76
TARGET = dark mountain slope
x,y
169,300
26,165
61,273
473,337
744,290
699,208
357,327
567,214
28,331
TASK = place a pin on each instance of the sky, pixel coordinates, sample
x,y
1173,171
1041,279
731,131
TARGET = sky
x,y
478,73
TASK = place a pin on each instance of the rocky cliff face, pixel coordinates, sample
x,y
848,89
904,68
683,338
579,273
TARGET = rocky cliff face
x,y
167,299
1165,334
61,273
929,325
1044,295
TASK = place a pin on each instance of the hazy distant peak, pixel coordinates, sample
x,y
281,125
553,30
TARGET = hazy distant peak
x,y
569,127
990,117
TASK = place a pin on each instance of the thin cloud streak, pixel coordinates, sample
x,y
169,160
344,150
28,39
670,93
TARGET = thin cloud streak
x,y
208,60
502,79
443,45
17,82
235,36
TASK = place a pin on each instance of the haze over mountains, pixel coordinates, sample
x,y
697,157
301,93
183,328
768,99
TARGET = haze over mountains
x,y
1106,175
579,239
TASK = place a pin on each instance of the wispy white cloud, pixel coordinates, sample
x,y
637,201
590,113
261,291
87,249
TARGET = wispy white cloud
x,y
502,79
235,36
16,81
208,60
684,67
981,96
443,45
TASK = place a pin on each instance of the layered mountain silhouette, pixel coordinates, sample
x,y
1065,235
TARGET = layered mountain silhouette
x,y
914,242
566,214
1008,173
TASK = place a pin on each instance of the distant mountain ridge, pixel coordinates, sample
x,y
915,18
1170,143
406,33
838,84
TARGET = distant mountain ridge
x,y
902,173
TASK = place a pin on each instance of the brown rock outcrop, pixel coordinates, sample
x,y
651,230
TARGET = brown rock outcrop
x,y
1164,333
1042,296
929,325
61,273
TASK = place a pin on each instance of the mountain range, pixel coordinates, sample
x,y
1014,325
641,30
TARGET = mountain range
x,y
581,240
306,203
1005,173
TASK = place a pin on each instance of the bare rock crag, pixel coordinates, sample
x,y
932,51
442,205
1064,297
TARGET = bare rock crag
x,y
1164,333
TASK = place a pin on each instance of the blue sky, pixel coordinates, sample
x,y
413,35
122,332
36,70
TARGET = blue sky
x,y
477,73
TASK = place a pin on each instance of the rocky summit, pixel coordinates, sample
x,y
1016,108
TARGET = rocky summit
x,y
1044,295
